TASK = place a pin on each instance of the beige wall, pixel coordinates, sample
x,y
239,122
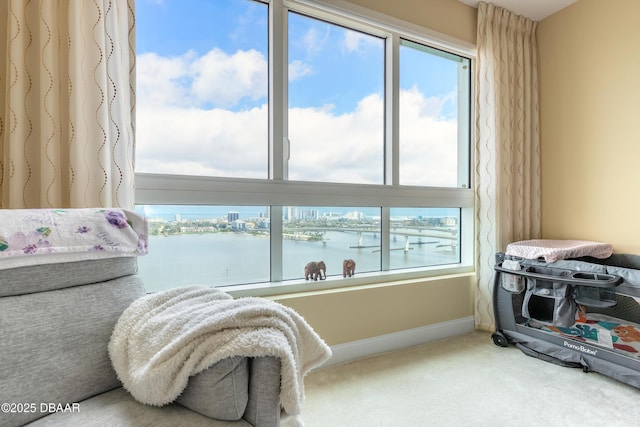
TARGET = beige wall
x,y
590,116
352,314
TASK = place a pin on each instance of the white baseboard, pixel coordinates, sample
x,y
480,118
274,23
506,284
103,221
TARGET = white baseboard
x,y
398,340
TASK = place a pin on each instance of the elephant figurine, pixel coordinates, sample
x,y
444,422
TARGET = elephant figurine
x,y
348,268
314,270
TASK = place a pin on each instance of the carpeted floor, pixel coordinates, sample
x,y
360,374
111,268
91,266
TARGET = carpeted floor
x,y
464,381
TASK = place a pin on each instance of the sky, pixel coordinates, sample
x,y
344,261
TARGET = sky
x,y
202,97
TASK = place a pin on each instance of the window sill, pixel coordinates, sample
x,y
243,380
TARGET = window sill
x,y
338,283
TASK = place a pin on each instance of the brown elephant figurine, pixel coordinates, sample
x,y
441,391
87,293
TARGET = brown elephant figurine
x,y
348,268
314,270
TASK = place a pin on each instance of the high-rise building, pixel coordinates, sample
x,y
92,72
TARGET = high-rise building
x,y
291,213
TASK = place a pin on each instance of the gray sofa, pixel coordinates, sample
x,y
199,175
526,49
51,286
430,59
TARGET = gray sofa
x,y
55,324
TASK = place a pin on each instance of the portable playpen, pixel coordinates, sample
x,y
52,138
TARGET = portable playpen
x,y
572,303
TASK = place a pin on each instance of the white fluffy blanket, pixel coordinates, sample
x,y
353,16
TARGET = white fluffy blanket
x,y
164,338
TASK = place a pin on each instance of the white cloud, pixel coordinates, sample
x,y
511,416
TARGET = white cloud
x,y
428,143
175,136
214,79
222,79
160,79
298,69
355,40
314,42
417,105
334,148
190,141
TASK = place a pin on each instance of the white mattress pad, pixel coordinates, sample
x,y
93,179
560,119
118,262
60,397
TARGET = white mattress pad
x,y
554,250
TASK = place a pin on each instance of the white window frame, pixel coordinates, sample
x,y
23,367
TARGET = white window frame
x,y
277,191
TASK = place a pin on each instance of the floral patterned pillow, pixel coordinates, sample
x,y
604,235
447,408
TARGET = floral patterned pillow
x,y
44,236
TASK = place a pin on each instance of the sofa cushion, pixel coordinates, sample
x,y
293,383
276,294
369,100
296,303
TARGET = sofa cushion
x,y
54,344
48,277
117,408
221,391
263,408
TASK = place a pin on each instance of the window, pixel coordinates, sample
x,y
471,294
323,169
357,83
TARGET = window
x,y
221,245
275,133
434,124
202,88
423,237
336,103
331,235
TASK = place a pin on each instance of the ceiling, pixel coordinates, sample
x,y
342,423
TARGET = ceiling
x,y
536,10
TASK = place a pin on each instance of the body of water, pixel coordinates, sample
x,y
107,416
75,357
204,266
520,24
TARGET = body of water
x,y
220,259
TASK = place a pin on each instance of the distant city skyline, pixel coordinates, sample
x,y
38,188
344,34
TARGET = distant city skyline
x,y
169,212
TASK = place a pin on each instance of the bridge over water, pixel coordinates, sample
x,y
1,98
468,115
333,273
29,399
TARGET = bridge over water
x,y
404,231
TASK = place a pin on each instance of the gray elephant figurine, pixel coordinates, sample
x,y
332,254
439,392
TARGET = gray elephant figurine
x,y
314,270
348,268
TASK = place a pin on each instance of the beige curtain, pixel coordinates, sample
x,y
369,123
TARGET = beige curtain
x,y
67,103
507,151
